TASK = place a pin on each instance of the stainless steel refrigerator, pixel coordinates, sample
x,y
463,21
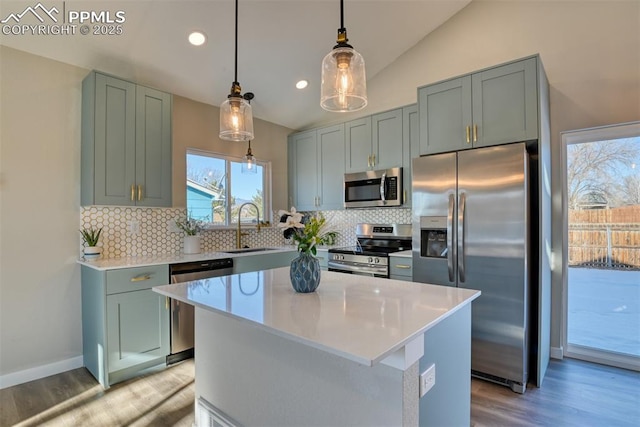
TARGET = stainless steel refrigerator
x,y
471,230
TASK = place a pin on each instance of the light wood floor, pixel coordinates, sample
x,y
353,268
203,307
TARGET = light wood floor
x,y
574,393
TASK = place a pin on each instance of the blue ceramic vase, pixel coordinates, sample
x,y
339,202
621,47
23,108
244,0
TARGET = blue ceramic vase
x,y
305,273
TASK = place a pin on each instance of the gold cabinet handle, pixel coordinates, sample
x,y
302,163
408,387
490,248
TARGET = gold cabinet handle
x,y
475,133
369,161
373,160
139,192
403,266
468,135
166,303
141,278
404,196
133,192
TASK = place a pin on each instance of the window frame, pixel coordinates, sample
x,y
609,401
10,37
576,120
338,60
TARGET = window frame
x,y
228,158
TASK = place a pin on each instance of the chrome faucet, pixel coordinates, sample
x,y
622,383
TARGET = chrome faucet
x,y
239,232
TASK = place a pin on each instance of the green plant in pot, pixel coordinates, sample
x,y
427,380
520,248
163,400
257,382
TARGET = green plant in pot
x,y
90,237
309,231
191,228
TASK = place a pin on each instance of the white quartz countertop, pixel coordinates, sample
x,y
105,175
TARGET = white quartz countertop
x,y
360,318
143,261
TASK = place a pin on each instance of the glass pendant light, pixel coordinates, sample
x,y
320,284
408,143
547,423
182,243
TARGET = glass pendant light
x,y
344,83
236,118
249,164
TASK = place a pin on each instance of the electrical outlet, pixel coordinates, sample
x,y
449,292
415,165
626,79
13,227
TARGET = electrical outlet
x,y
427,379
172,227
134,227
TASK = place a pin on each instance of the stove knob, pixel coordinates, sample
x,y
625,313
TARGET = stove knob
x,y
370,260
377,260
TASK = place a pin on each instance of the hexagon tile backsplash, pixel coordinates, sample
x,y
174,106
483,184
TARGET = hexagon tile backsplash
x,y
128,232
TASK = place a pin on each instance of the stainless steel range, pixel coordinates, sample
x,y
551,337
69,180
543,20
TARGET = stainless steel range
x,y
370,257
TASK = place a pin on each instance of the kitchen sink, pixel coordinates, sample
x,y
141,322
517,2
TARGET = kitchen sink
x,y
247,250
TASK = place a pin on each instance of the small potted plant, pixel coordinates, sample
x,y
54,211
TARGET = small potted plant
x,y
191,228
90,236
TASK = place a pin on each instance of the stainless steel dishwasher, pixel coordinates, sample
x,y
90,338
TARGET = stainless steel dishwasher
x,y
182,319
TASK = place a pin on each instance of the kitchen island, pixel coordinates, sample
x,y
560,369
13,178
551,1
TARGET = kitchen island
x,y
348,354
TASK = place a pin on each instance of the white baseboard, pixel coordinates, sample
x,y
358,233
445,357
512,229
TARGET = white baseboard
x,y
556,353
38,372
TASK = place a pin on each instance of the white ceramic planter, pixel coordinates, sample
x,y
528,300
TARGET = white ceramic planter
x,y
92,252
192,245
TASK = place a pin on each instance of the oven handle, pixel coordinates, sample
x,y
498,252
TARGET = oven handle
x,y
339,266
382,188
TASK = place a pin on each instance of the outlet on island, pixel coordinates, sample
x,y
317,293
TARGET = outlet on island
x,y
427,379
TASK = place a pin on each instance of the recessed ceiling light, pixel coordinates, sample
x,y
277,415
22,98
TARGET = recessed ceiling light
x,y
302,84
197,38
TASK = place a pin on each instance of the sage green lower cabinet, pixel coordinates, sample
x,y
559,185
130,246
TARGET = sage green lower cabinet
x,y
323,258
125,325
263,261
401,268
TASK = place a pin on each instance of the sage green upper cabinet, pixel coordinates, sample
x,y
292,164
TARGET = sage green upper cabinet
x,y
386,140
304,177
126,143
331,165
374,142
153,147
411,147
317,169
490,107
358,144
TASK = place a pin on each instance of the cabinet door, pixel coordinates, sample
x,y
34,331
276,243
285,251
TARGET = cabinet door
x,y
358,145
137,328
387,142
153,147
114,139
306,175
505,105
292,170
445,116
331,167
411,147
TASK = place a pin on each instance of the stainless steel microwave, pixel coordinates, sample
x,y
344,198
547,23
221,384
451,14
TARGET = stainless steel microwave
x,y
373,188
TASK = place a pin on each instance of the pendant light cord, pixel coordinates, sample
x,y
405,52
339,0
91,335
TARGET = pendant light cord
x,y
342,14
235,75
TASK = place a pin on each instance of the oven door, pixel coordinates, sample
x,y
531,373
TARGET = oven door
x,y
361,269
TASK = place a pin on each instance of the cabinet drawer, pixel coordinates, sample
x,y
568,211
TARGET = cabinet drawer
x,y
135,279
401,267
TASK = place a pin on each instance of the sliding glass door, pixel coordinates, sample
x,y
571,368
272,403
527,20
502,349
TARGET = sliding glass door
x,y
602,245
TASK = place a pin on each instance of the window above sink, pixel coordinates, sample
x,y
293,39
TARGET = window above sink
x,y
216,188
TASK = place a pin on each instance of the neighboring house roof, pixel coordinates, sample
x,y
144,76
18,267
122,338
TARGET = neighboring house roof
x,y
214,193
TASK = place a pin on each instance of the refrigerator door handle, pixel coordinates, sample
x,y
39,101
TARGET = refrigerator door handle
x,y
461,214
450,250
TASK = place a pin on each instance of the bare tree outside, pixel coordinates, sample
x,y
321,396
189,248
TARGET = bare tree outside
x,y
603,172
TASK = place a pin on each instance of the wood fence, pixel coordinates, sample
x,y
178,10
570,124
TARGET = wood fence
x,y
608,238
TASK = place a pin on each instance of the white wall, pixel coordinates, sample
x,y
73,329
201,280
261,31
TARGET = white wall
x,y
591,53
39,212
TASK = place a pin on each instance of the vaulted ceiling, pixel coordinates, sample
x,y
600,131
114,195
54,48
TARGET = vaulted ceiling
x,y
280,42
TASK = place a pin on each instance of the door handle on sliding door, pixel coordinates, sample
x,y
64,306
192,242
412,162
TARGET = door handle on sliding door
x,y
450,250
461,217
